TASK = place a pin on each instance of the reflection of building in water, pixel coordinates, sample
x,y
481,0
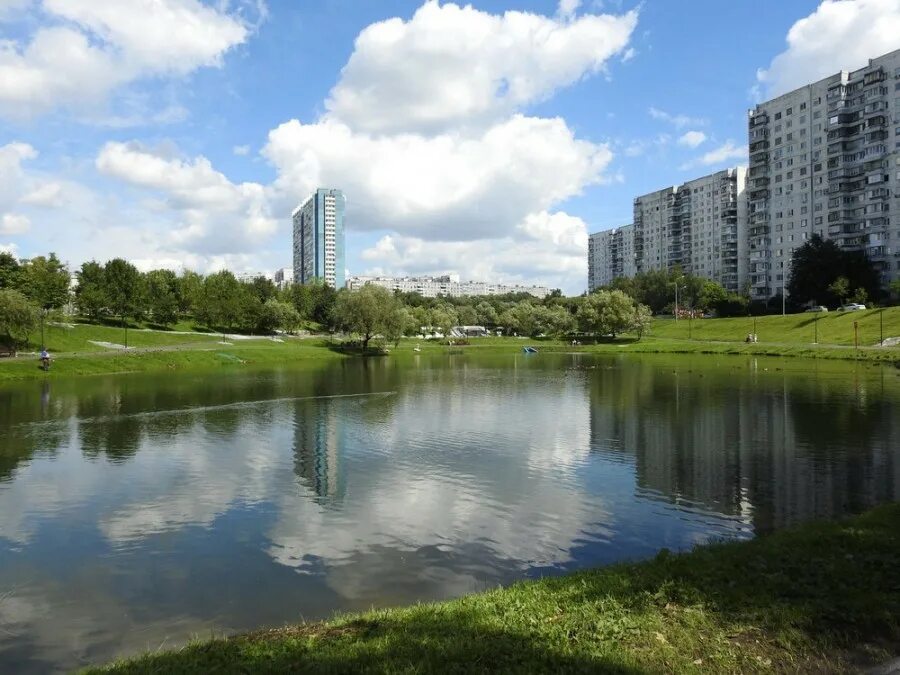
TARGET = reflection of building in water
x,y
316,448
771,452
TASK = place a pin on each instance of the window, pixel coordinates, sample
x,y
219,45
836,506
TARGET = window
x,y
789,111
777,116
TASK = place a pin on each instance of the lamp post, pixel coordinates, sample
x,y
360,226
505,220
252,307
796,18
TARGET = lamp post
x,y
676,296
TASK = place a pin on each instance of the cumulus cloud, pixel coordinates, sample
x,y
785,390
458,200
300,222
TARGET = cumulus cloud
x,y
692,139
725,152
14,223
860,28
546,248
90,47
217,216
449,65
452,186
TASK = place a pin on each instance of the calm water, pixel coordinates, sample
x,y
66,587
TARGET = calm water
x,y
138,511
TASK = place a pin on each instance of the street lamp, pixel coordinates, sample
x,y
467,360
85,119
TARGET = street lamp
x,y
676,296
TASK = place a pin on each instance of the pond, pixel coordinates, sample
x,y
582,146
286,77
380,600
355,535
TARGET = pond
x,y
139,511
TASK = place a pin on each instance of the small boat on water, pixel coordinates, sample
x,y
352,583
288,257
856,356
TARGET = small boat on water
x,y
529,350
417,348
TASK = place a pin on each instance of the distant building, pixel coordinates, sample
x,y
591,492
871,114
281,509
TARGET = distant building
x,y
247,277
284,277
319,238
447,285
610,255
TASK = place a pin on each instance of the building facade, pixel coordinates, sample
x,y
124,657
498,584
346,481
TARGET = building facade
x,y
319,238
699,226
447,285
284,277
825,159
610,255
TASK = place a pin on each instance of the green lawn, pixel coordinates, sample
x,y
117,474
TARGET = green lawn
x,y
834,328
824,597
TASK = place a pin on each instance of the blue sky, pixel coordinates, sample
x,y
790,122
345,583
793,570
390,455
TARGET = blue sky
x,y
486,140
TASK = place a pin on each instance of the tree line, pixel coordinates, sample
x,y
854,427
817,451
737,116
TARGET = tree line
x,y
116,291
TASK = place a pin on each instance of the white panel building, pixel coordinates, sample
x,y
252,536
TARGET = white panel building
x,y
446,285
824,159
610,255
699,226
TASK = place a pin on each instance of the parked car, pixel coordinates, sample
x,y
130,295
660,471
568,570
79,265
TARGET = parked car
x,y
817,308
851,307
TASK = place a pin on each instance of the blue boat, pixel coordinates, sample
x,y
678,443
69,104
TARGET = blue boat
x,y
529,350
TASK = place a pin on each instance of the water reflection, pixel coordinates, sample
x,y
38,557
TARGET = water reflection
x,y
139,511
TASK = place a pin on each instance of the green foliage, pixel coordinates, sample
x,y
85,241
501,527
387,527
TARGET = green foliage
x,y
609,313
90,294
45,281
9,271
18,317
366,312
188,291
840,289
162,296
221,303
895,288
823,274
124,288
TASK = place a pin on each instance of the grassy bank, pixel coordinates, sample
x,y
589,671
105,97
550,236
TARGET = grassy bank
x,y
824,597
79,349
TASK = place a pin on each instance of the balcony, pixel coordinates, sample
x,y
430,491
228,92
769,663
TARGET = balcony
x,y
759,119
759,230
759,145
759,157
756,195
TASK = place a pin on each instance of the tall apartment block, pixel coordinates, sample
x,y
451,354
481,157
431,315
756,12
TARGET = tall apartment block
x,y
319,238
610,255
825,158
699,226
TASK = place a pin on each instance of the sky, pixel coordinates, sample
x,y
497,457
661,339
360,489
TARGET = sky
x,y
484,139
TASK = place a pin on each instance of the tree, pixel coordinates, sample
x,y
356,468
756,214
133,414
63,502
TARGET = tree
x,y
895,288
486,314
162,296
443,318
124,289
819,263
398,323
90,293
45,281
711,296
9,271
467,315
18,317
641,320
263,288
606,313
220,301
840,288
277,315
365,312
188,290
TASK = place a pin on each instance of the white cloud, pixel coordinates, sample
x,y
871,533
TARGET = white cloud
x,y
840,34
629,54
449,65
241,150
692,139
214,214
727,151
452,186
93,46
14,223
678,121
47,194
12,175
568,8
547,248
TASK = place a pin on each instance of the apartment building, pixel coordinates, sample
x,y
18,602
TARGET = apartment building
x,y
825,158
284,277
699,226
319,238
610,255
447,285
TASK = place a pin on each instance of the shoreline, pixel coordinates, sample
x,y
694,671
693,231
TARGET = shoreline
x,y
204,356
823,597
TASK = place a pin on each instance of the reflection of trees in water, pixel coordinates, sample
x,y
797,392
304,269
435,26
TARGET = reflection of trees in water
x,y
774,449
24,409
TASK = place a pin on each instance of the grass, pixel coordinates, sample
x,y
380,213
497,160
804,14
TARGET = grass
x,y
831,328
75,353
823,597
